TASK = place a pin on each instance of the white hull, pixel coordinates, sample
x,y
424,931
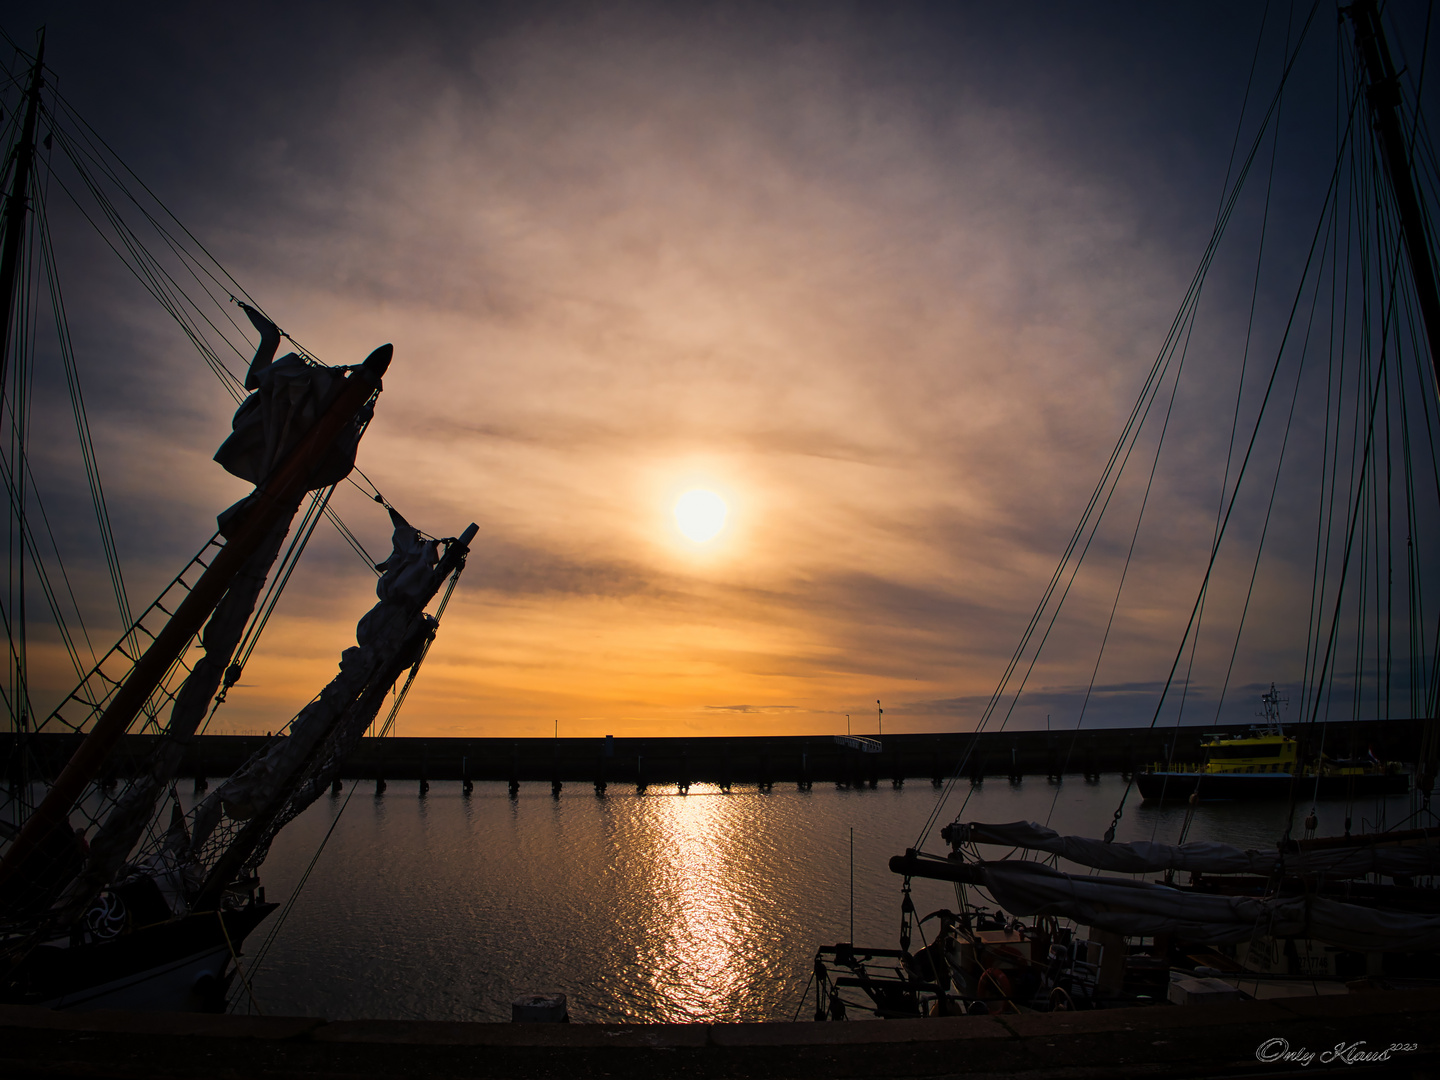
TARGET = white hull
x,y
185,985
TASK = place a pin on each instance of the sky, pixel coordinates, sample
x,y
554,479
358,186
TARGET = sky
x,y
886,278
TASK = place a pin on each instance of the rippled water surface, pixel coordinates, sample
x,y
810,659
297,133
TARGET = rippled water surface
x,y
706,906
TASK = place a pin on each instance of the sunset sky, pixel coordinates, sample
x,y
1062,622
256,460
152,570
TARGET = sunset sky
x,y
884,277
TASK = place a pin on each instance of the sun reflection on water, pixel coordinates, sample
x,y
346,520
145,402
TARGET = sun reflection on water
x,y
699,910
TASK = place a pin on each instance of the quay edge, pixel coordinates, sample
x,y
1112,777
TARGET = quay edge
x,y
1183,1041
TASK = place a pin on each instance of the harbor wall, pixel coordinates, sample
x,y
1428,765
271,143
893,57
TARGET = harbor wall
x,y
1379,1033
745,759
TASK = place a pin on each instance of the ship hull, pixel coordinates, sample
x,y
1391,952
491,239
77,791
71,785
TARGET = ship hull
x,y
176,966
1240,787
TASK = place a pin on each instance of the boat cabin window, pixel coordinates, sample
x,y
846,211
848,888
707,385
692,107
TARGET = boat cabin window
x,y
1255,750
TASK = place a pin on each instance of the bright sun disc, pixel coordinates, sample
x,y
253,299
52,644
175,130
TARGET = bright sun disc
x,y
700,515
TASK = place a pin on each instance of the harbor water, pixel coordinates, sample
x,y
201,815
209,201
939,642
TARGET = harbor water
x,y
706,906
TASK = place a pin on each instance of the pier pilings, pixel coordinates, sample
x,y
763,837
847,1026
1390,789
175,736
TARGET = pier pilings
x,y
765,761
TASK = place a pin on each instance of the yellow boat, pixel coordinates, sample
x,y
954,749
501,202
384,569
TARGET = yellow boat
x,y
1263,764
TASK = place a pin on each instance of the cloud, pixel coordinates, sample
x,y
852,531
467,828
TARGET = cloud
x,y
890,278
764,710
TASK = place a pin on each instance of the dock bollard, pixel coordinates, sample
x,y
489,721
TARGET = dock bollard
x,y
379,786
539,1009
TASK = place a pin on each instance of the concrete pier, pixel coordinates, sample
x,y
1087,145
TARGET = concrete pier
x,y
1221,1039
804,760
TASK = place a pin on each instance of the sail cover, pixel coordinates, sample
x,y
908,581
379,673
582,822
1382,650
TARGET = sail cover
x,y
291,395
404,588
1204,856
1123,906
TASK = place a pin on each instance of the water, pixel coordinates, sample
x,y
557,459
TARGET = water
x,y
662,907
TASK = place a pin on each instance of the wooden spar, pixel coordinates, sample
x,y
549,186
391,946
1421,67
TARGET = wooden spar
x,y
913,864
15,206
285,485
1383,94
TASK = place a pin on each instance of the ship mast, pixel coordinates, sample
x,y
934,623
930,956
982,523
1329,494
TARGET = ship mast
x,y
12,255
16,204
26,879
1382,91
279,494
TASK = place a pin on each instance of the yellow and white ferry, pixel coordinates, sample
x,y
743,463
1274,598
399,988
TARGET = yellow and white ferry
x,y
1263,764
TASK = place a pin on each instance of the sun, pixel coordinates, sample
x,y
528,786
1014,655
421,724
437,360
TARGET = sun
x,y
700,515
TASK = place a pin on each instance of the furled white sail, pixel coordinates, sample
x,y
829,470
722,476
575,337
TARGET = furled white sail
x,y
290,394
1209,856
1122,906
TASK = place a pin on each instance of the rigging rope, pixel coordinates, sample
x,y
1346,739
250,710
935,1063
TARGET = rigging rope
x,y
1244,467
1119,455
82,425
318,502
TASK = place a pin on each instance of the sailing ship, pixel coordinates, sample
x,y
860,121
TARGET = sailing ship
x,y
1030,934
118,895
1263,764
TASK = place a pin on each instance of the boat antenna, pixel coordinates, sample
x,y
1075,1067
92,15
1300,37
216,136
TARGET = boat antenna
x,y
852,884
1270,703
